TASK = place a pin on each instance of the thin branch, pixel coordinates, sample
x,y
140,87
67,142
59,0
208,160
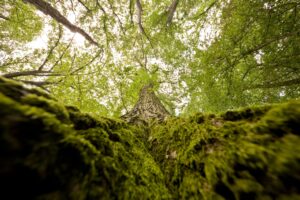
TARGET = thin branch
x,y
51,50
118,18
47,9
89,10
14,63
90,62
254,49
104,21
206,10
140,11
72,62
295,81
62,55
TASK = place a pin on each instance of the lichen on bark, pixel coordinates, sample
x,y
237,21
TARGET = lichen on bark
x,y
53,151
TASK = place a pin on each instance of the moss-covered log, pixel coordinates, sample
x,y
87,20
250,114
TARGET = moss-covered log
x,y
51,151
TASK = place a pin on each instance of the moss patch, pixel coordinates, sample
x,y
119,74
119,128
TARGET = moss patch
x,y
55,152
252,153
52,151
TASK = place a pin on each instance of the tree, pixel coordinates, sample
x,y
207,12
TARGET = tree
x,y
113,99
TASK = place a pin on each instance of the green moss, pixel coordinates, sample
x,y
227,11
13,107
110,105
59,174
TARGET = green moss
x,y
55,152
16,90
83,121
231,156
282,119
48,105
249,113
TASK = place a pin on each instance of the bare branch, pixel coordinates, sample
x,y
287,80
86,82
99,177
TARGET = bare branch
x,y
122,99
47,9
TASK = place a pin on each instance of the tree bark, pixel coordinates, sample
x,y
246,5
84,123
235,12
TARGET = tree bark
x,y
147,108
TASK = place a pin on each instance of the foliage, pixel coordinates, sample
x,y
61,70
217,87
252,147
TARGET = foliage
x,y
21,24
213,56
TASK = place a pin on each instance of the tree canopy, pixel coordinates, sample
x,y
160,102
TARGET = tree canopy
x,y
200,55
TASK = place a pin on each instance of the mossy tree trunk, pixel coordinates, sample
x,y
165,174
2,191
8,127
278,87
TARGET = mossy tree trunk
x,y
52,151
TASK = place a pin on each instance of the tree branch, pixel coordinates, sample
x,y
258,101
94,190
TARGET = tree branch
x,y
83,66
171,11
206,10
51,50
130,11
266,43
89,10
118,18
47,9
295,81
62,55
140,11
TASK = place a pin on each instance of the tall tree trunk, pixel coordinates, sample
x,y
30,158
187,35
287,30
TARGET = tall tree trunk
x,y
147,108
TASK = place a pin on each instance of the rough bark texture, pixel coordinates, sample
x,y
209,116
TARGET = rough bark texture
x,y
50,151
147,108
